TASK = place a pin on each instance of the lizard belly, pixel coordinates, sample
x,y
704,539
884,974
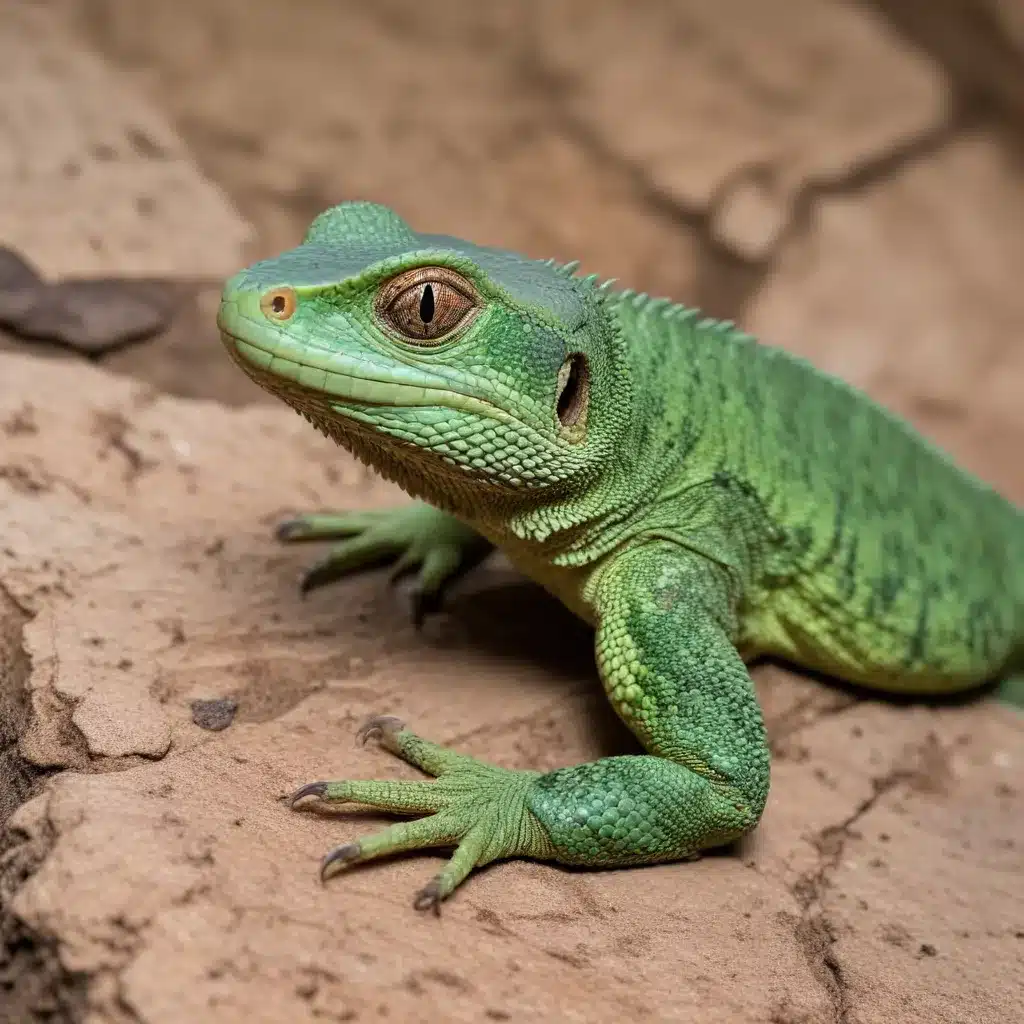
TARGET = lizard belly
x,y
929,639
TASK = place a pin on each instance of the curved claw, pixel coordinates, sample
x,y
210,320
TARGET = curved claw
x,y
317,789
424,603
429,898
319,574
405,566
292,529
377,726
343,855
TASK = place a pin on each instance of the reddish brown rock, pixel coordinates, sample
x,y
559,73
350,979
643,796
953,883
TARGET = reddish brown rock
x,y
155,875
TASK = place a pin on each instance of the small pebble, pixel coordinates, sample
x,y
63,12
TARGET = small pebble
x,y
214,714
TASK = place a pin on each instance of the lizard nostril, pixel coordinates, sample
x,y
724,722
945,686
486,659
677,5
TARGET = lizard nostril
x,y
280,303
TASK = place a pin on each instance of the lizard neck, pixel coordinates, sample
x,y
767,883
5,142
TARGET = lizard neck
x,y
666,415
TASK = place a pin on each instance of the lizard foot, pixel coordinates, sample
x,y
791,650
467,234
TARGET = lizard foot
x,y
477,808
414,538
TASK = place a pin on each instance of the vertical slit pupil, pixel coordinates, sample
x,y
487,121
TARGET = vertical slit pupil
x,y
427,304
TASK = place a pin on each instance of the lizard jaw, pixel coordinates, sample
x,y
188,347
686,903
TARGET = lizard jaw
x,y
330,379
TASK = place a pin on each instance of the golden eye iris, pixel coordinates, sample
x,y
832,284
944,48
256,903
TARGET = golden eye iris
x,y
279,303
427,304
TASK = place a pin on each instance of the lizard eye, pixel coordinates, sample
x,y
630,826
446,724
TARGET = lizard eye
x,y
279,303
428,304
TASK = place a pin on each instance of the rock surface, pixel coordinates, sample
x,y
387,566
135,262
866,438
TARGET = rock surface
x,y
162,685
782,88
92,176
979,42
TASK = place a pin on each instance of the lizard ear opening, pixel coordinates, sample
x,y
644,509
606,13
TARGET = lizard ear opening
x,y
573,393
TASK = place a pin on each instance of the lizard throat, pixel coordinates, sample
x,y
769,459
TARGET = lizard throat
x,y
422,474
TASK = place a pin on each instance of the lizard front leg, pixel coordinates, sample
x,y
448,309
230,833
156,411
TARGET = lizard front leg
x,y
414,538
668,665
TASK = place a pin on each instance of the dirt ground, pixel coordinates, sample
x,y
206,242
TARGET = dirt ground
x,y
844,179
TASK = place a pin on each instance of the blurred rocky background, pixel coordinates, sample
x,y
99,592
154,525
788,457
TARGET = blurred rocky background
x,y
845,179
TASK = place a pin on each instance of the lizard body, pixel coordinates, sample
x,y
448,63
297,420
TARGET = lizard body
x,y
690,492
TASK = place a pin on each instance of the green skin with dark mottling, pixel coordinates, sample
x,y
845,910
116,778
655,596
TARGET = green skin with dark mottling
x,y
698,497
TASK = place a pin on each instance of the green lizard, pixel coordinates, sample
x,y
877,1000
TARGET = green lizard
x,y
698,497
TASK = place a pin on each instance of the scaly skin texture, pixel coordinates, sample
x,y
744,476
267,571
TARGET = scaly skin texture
x,y
699,497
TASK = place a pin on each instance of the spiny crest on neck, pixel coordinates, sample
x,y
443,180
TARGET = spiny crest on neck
x,y
642,302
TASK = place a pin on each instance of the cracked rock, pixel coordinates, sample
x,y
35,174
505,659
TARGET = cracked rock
x,y
16,777
907,942
474,106
739,105
107,186
979,42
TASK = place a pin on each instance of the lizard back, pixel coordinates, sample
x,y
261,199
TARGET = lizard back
x,y
879,558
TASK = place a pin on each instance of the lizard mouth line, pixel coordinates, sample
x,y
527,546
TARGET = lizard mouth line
x,y
349,387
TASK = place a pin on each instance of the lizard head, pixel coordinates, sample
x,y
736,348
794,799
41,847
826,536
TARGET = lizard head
x,y
470,376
